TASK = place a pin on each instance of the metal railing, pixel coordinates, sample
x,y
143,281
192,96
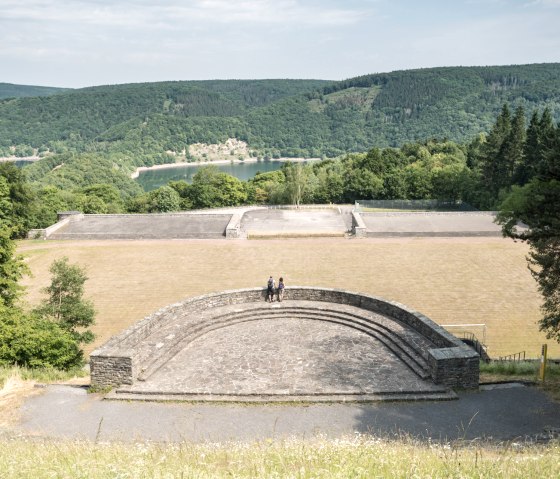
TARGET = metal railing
x,y
468,328
515,357
468,336
420,205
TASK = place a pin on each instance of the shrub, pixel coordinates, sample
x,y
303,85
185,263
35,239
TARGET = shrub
x,y
27,340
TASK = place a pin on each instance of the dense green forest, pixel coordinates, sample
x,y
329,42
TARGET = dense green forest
x,y
9,90
137,124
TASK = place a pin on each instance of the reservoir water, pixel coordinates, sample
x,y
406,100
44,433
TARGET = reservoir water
x,y
152,179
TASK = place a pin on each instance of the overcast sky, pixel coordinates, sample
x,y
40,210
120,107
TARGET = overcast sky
x,y
75,43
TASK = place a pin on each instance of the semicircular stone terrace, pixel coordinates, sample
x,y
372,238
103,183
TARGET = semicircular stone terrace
x,y
318,344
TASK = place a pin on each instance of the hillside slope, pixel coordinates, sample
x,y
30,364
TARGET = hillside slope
x,y
279,117
9,90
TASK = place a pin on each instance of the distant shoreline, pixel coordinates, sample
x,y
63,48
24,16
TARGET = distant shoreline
x,y
165,166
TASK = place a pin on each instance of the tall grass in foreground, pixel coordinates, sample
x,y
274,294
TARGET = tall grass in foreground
x,y
41,375
358,457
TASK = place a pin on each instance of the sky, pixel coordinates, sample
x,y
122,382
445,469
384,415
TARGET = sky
x,y
78,43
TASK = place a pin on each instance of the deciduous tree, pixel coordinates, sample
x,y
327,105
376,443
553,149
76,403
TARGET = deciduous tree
x,y
65,303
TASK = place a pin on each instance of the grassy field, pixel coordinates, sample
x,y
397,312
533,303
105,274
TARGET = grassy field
x,y
451,280
357,457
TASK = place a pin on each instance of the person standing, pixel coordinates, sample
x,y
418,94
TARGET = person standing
x,y
270,289
280,289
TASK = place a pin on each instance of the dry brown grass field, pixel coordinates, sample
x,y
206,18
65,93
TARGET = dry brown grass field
x,y
451,280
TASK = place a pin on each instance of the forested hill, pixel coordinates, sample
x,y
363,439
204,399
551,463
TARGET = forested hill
x,y
277,117
9,90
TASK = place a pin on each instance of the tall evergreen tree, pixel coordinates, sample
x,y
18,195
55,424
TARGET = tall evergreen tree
x,y
537,204
531,152
511,152
494,166
548,138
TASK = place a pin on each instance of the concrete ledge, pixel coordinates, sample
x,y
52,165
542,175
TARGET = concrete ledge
x,y
119,360
358,226
233,228
430,234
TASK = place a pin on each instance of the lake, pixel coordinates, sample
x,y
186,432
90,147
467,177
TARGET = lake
x,y
152,179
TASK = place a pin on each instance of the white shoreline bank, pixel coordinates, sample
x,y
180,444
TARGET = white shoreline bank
x,y
164,166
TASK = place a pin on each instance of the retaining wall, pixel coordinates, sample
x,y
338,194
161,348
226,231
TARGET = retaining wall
x,y
118,361
63,220
358,226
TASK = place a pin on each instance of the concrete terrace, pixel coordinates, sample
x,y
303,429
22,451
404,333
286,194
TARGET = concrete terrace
x,y
479,223
145,226
271,222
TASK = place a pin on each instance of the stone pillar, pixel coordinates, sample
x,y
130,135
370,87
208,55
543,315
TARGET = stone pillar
x,y
455,367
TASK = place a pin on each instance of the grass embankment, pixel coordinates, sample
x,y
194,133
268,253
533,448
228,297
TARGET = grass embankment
x,y
358,457
522,371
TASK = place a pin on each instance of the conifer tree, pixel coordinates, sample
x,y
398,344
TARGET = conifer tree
x,y
537,204
547,140
511,153
494,166
531,152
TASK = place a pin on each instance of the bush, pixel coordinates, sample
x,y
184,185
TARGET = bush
x,y
29,341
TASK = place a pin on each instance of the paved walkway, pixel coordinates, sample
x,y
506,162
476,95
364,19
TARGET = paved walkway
x,y
498,414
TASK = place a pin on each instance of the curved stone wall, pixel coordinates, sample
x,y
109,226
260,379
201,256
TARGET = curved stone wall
x,y
122,359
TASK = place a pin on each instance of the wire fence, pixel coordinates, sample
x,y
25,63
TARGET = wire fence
x,y
414,205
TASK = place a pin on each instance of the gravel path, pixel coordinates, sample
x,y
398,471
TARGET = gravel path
x,y
498,414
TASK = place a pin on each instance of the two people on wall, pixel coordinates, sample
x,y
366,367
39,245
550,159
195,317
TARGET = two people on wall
x,y
272,290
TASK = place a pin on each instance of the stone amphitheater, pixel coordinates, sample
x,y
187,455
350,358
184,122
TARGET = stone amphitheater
x,y
317,345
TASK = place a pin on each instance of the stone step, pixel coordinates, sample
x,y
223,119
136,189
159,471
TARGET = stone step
x,y
179,339
392,340
127,395
416,361
253,235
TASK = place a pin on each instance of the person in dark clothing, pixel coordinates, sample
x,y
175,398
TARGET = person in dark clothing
x,y
280,289
270,290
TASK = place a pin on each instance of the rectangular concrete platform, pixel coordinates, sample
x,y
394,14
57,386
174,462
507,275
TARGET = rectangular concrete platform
x,y
145,226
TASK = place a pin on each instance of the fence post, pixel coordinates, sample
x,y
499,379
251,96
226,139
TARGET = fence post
x,y
542,371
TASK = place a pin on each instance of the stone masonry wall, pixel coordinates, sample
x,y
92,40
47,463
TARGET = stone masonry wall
x,y
452,363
